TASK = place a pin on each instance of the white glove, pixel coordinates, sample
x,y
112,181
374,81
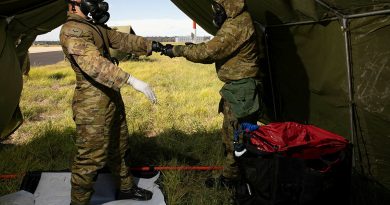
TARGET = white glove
x,y
142,87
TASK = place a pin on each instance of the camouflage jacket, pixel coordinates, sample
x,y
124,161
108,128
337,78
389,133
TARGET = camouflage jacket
x,y
85,45
234,48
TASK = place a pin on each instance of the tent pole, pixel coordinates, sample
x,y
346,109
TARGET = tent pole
x,y
339,14
264,30
345,16
374,13
348,50
270,74
303,23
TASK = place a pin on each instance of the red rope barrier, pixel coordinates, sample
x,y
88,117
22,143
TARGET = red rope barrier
x,y
9,176
177,168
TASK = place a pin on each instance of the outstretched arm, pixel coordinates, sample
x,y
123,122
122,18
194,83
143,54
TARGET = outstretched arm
x,y
221,46
129,43
88,58
81,49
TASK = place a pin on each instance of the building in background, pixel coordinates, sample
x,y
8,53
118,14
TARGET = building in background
x,y
197,39
194,38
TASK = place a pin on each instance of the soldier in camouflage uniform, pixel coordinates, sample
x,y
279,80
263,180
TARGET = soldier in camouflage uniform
x,y
98,109
235,51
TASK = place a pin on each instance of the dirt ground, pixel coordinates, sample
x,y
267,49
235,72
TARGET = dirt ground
x,y
42,49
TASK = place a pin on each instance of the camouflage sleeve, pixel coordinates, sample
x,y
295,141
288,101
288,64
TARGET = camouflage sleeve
x,y
80,45
221,46
129,43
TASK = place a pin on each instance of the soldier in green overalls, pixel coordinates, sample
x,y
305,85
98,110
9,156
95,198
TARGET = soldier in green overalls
x,y
98,108
236,54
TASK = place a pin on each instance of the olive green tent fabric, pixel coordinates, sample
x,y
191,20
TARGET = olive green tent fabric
x,y
13,7
293,11
309,75
288,11
371,67
199,11
10,81
358,6
20,22
308,71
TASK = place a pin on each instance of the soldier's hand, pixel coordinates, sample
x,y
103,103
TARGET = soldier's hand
x,y
168,51
142,87
157,46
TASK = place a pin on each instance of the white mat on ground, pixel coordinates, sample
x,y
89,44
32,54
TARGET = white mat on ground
x,y
18,198
54,189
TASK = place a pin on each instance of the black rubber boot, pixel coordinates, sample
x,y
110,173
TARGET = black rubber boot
x,y
135,193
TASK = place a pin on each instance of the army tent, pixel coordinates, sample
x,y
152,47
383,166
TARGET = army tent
x,y
20,22
328,65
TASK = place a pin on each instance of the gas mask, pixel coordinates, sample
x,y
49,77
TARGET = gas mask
x,y
219,14
97,8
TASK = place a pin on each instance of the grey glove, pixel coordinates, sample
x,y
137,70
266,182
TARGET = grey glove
x,y
142,87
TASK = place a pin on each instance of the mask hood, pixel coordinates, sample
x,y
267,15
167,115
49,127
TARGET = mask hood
x,y
219,14
232,7
98,9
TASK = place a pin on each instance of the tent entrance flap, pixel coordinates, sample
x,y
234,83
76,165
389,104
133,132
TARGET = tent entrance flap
x,y
21,21
10,83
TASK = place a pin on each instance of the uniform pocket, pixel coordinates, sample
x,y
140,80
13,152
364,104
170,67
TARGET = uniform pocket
x,y
242,95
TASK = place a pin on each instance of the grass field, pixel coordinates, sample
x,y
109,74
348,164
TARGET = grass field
x,y
183,129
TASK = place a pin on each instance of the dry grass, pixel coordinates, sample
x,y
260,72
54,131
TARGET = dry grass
x,y
183,129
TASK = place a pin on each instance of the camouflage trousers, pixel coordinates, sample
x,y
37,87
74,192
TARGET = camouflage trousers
x,y
100,145
229,126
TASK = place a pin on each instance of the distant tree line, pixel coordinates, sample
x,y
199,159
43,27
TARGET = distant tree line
x,y
46,43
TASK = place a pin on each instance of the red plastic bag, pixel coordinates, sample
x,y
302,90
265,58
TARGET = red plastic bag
x,y
297,140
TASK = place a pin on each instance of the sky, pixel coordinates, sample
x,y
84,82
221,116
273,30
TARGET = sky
x,y
147,17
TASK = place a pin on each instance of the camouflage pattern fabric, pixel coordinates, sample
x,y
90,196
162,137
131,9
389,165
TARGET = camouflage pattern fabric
x,y
98,146
230,124
86,46
235,52
234,48
233,8
98,109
